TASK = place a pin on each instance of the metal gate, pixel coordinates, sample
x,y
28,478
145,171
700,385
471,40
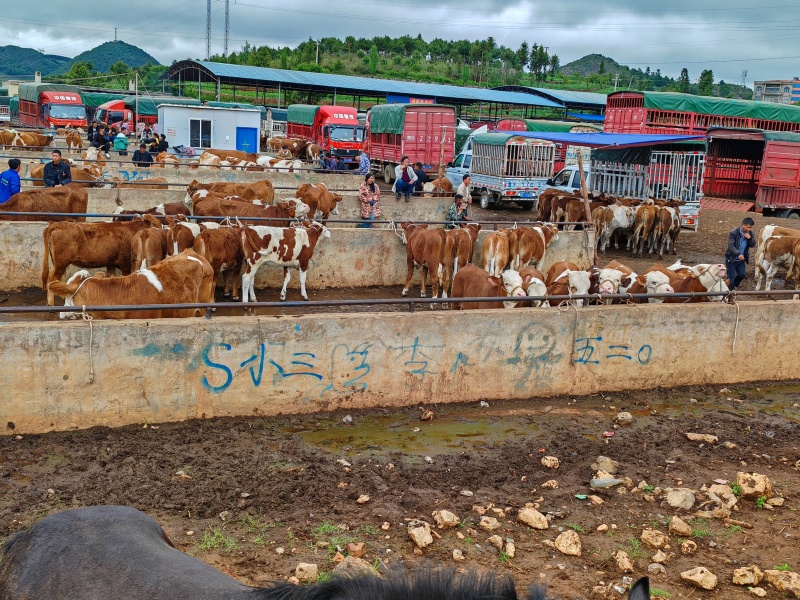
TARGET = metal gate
x,y
676,175
619,179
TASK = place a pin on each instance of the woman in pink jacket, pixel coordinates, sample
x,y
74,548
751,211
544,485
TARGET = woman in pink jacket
x,y
370,195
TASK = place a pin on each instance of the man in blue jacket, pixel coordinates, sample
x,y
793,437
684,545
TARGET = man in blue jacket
x,y
57,173
737,255
9,180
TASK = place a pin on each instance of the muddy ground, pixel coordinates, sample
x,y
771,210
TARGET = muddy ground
x,y
287,498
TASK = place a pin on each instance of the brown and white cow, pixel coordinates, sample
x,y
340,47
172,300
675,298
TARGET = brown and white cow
x,y
182,233
90,176
473,282
257,190
424,248
287,247
687,283
667,227
228,154
295,146
766,233
617,219
167,208
496,252
279,165
566,279
458,247
777,251
247,212
713,277
534,285
73,140
165,159
183,279
222,248
627,279
654,282
644,228
312,153
529,245
70,198
319,199
89,245
441,186
148,247
25,139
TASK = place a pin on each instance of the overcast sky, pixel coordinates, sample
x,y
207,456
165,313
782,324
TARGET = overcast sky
x,y
725,36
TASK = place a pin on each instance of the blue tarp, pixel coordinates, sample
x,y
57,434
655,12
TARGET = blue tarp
x,y
587,118
606,140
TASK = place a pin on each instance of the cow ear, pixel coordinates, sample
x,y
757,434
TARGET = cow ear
x,y
641,280
494,280
527,278
169,220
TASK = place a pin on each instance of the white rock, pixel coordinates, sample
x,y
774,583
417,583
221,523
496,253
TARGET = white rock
x,y
550,462
660,557
362,499
445,519
466,493
681,498
552,484
623,419
533,518
775,502
656,569
603,527
689,547
654,538
679,527
754,485
511,548
306,572
724,493
458,555
706,438
758,591
496,541
603,463
624,563
784,581
751,575
351,564
420,533
489,523
569,543
701,577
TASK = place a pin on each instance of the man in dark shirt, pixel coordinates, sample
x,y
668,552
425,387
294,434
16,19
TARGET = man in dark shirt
x,y
163,145
422,178
57,173
142,158
737,254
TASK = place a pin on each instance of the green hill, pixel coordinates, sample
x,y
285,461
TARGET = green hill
x,y
24,62
105,55
592,64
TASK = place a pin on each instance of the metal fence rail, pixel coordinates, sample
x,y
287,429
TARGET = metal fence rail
x,y
558,302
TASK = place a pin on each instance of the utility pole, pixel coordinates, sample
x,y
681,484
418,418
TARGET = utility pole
x,y
317,52
744,77
208,29
227,24
115,34
616,80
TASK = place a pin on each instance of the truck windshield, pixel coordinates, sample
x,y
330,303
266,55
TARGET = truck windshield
x,y
347,134
67,111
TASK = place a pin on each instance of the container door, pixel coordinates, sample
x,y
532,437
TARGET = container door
x,y
781,165
247,139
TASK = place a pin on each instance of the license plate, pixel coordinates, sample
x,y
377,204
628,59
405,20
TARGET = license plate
x,y
526,194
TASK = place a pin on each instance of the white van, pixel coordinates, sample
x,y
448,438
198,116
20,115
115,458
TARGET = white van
x,y
568,179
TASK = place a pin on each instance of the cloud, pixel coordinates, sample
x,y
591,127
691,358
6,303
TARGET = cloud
x,y
668,36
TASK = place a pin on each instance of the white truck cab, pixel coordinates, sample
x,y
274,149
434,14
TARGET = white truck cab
x,y
568,179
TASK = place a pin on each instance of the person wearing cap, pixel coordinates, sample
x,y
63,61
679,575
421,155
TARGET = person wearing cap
x,y
142,158
457,213
9,180
284,153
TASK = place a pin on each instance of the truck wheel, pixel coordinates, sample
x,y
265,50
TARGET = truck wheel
x,y
485,198
793,215
388,173
526,205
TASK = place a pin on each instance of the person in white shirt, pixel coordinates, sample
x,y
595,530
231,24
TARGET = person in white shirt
x,y
465,191
405,178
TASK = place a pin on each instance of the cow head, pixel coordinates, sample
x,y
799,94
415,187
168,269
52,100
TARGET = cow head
x,y
656,282
609,281
323,231
512,284
535,287
300,208
579,284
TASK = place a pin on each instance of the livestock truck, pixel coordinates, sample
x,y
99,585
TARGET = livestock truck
x,y
332,128
423,132
51,105
510,168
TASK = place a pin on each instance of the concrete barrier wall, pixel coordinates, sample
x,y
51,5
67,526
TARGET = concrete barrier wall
x,y
350,258
236,366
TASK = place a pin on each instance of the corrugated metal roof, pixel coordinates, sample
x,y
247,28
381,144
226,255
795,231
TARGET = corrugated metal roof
x,y
361,85
567,97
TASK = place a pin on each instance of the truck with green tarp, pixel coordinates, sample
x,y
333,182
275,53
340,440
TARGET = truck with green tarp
x,y
423,132
332,128
51,105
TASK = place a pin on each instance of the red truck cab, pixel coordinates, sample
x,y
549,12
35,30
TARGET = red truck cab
x,y
51,105
113,112
332,128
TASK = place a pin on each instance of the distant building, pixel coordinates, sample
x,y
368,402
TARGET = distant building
x,y
777,91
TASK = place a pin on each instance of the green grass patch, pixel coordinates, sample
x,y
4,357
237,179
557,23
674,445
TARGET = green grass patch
x,y
216,539
633,547
760,502
784,567
737,490
659,593
574,527
325,529
700,528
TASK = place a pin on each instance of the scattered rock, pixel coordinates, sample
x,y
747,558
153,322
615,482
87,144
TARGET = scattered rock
x,y
353,565
605,464
624,563
654,538
701,577
754,485
596,500
362,499
775,502
602,528
679,527
458,555
420,533
385,526
550,462
730,446
347,420
681,498
689,547
656,569
356,549
306,572
496,541
466,493
604,483
338,557
445,519
722,494
784,581
479,509
484,404
343,462
758,591
533,518
293,580
751,575
550,485
706,438
569,543
489,523
224,515
623,419
661,557
511,548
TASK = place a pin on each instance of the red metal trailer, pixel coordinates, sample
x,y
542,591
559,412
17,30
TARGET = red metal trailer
x,y
51,105
423,132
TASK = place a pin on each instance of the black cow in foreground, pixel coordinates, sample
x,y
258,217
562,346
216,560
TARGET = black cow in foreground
x,y
119,553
